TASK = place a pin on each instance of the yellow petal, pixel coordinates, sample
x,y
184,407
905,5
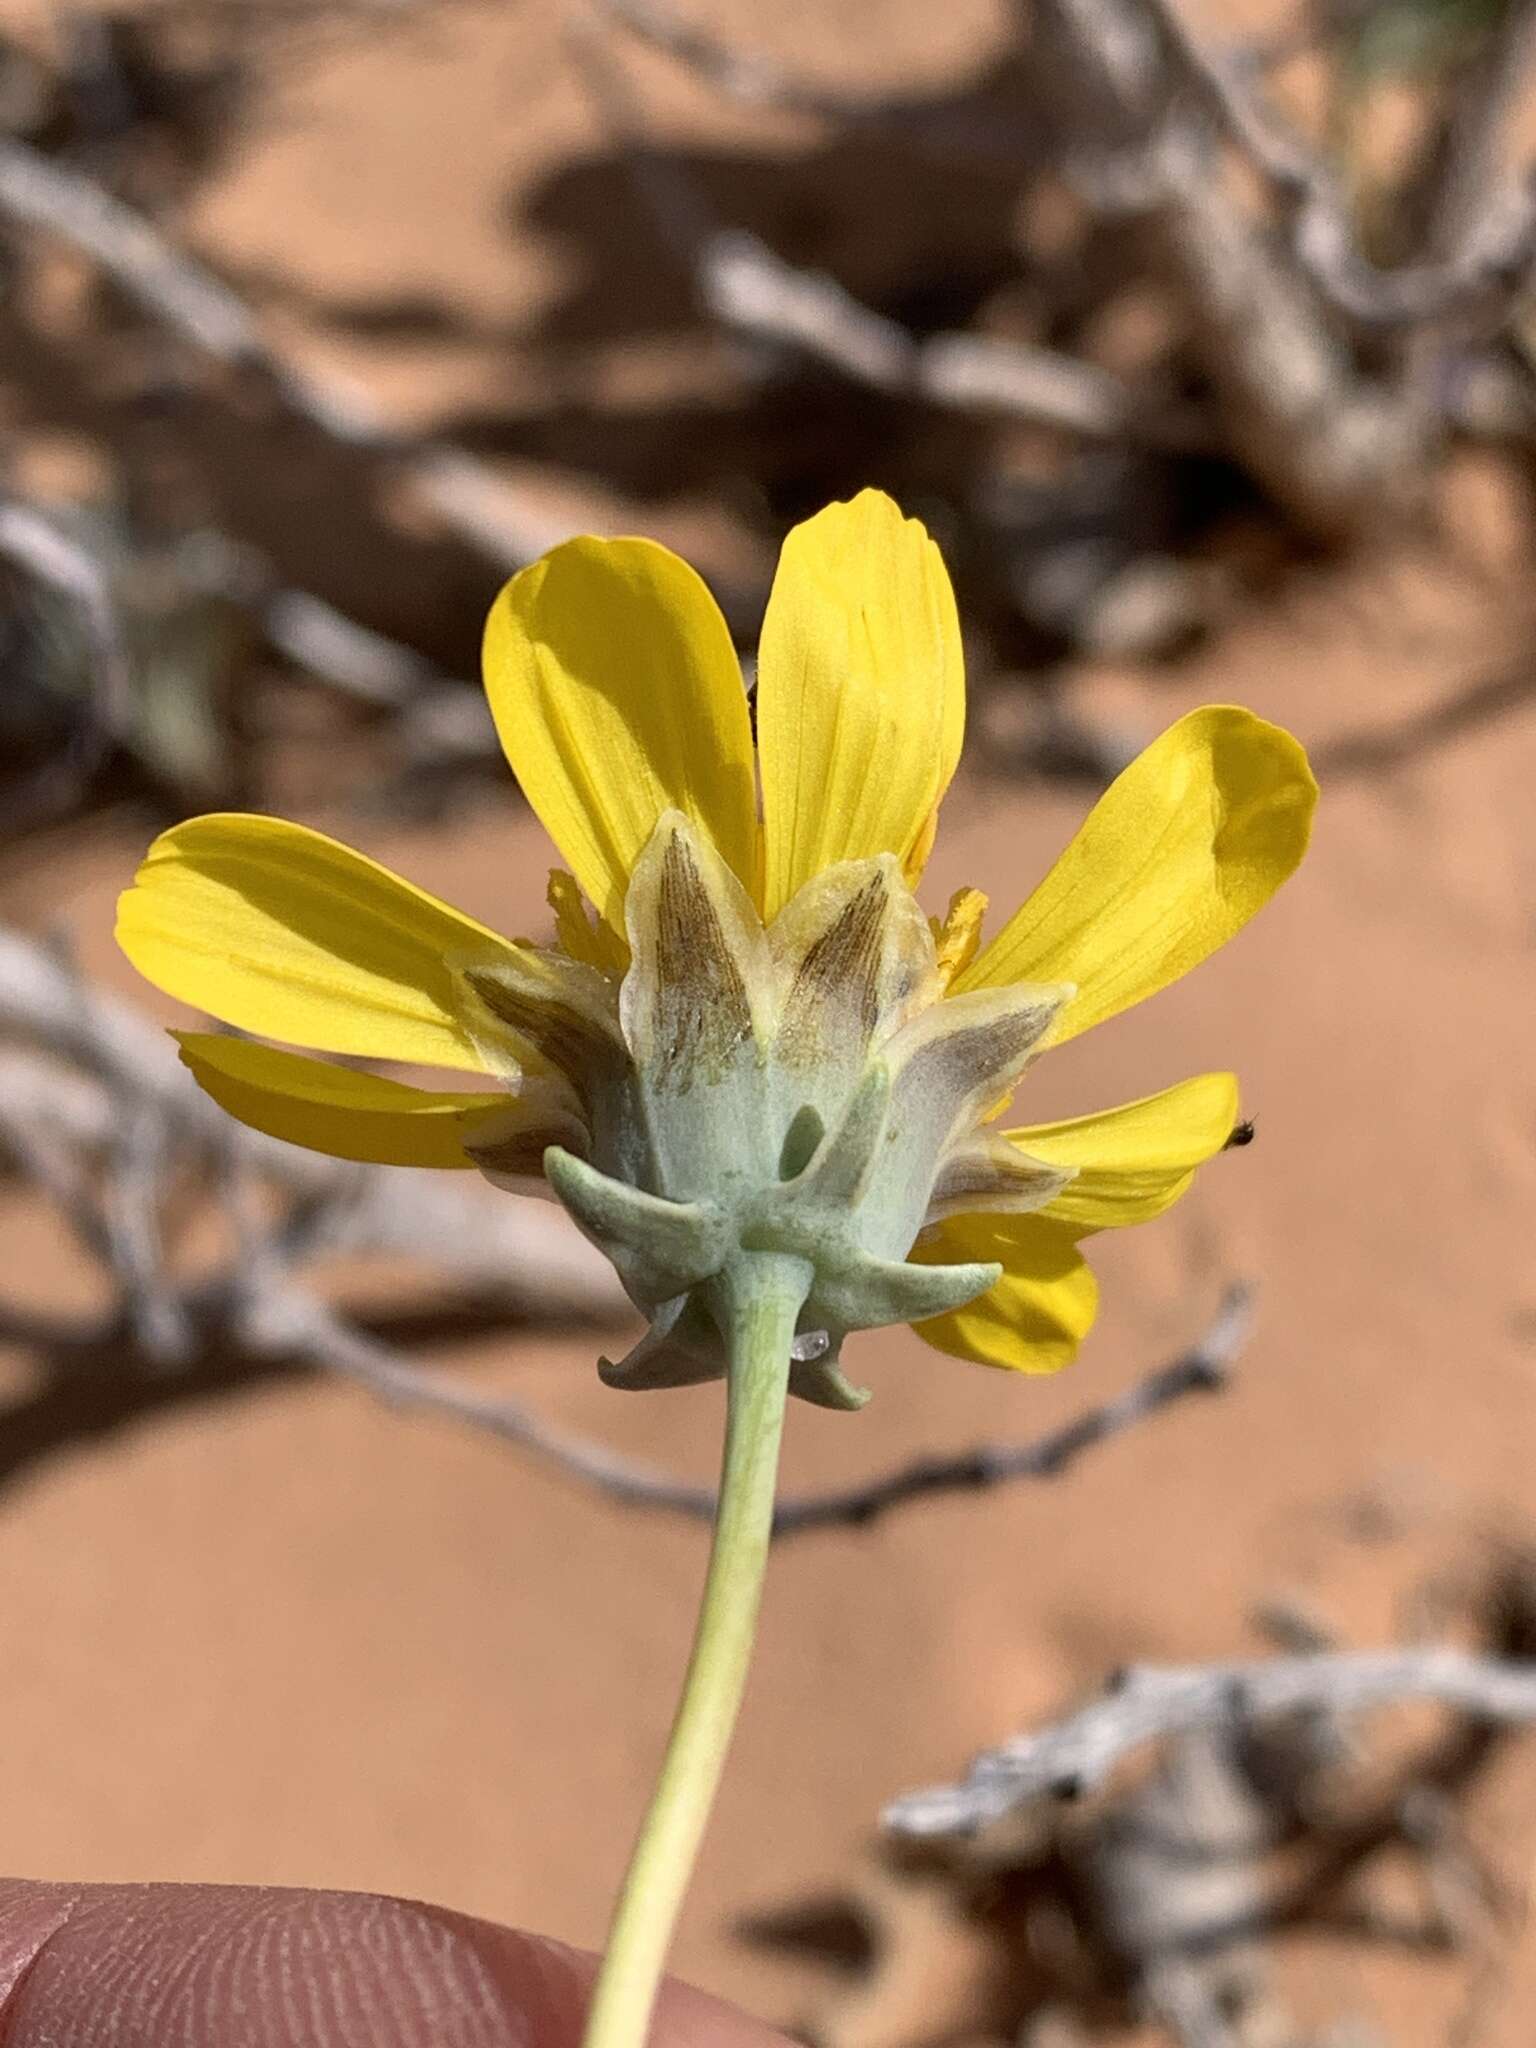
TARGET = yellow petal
x,y
860,694
1135,1161
618,695
1039,1312
334,1109
1175,857
281,931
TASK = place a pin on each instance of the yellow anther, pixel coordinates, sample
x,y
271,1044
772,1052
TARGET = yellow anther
x,y
578,932
958,937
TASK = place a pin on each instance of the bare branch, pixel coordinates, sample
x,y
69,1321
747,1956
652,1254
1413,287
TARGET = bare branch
x,y
364,664
43,1002
755,81
104,1058
1484,245
136,1168
36,545
293,1323
755,294
38,548
973,132
1292,167
471,501
1150,1703
437,721
1325,441
36,1152
1203,1368
40,193
1466,170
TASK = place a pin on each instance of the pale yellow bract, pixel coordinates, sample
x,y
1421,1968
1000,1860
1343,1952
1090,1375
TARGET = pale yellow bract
x,y
619,701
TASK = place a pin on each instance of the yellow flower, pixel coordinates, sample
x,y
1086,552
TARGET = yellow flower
x,y
750,1067
752,1034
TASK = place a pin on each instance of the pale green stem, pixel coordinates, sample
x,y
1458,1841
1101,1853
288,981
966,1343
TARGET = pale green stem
x,y
759,1306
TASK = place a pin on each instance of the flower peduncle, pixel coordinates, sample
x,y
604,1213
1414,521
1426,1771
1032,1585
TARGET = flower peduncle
x,y
756,1302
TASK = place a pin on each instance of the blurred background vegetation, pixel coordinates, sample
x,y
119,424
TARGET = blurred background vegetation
x,y
1137,314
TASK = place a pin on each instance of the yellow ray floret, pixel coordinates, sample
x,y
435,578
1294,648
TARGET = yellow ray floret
x,y
618,695
1180,851
335,1109
860,694
1132,1163
279,930
1040,1311
1129,1165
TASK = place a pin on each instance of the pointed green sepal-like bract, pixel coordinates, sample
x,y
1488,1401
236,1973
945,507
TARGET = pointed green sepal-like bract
x,y
682,1348
859,1292
668,1246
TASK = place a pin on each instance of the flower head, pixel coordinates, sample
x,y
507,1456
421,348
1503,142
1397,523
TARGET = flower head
x,y
748,1039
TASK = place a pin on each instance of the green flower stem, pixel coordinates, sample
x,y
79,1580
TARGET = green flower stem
x,y
759,1302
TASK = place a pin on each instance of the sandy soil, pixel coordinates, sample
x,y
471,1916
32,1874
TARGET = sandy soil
x,y
295,1639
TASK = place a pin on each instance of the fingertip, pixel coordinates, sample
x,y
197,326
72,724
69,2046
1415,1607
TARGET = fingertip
x,y
30,1915
214,1966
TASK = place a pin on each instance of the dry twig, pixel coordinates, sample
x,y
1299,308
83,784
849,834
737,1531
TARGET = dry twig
x,y
1134,96
37,547
172,288
1483,239
1203,1368
81,1061
753,80
755,294
1149,1703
